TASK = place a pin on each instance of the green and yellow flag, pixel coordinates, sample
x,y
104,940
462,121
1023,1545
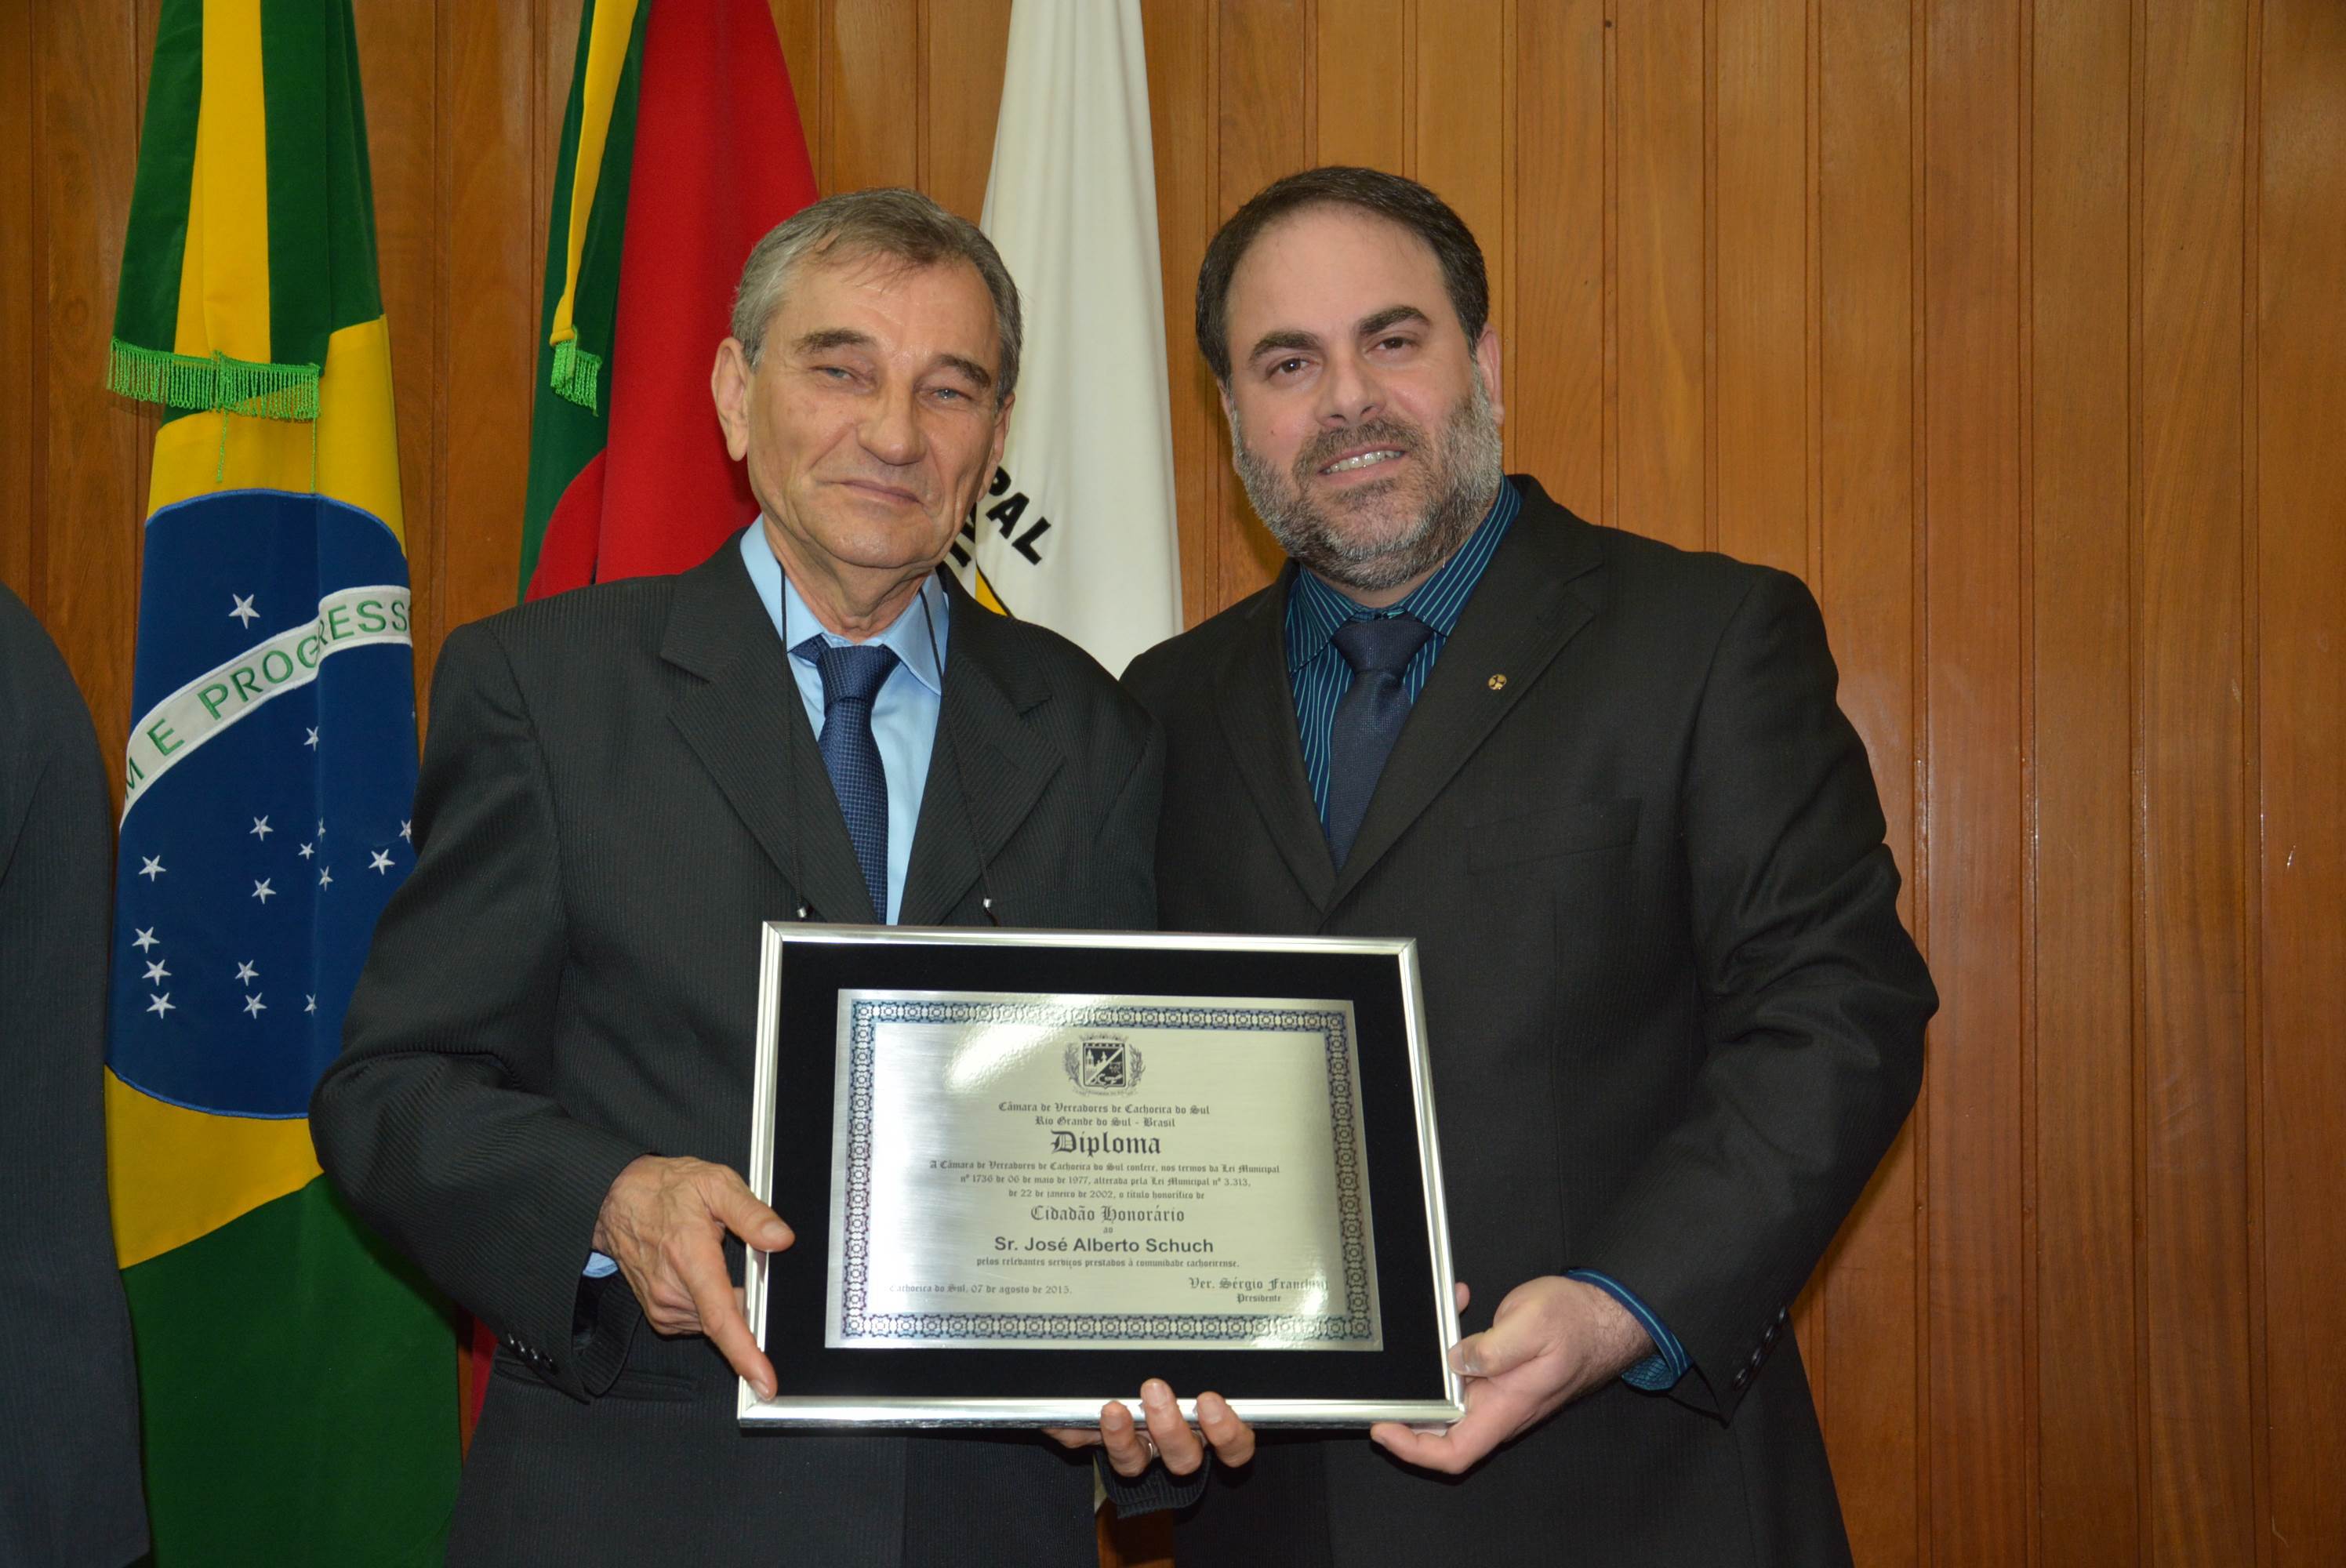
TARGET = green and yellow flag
x,y
297,1380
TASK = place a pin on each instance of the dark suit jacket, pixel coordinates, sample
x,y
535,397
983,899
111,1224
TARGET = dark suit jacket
x,y
1674,1021
608,809
69,1487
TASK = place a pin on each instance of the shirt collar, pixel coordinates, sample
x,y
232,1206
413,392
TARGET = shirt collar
x,y
907,637
1315,611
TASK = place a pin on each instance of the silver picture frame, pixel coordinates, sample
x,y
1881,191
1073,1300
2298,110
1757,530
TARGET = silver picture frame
x,y
1434,1391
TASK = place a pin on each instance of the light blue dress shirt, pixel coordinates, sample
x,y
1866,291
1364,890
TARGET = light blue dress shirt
x,y
903,716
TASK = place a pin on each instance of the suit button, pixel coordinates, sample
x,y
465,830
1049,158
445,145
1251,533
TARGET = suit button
x,y
1743,1379
1769,1336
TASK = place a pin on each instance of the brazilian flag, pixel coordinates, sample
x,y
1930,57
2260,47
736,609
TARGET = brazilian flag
x,y
297,1380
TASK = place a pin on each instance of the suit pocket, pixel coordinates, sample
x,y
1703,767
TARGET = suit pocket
x,y
1573,827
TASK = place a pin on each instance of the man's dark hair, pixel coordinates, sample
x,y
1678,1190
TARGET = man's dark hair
x,y
1390,197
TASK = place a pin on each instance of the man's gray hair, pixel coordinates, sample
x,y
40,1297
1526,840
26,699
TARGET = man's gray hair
x,y
892,222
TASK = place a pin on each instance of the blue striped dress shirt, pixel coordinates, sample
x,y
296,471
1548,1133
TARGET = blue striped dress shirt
x,y
1320,676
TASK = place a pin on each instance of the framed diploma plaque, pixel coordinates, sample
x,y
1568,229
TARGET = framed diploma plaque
x,y
1028,1170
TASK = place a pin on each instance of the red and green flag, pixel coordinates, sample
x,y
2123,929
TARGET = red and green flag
x,y
299,1396
680,148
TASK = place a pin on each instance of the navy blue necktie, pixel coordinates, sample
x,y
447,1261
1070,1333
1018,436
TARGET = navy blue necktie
x,y
851,677
1368,720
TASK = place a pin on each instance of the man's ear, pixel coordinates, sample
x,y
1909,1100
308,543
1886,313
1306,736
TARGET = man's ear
x,y
1487,365
728,386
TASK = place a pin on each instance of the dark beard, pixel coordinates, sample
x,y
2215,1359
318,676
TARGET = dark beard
x,y
1466,468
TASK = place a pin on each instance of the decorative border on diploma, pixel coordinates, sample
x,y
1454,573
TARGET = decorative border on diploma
x,y
1351,1326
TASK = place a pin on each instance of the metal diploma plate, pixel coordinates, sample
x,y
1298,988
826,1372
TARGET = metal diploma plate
x,y
1136,1171
1036,1192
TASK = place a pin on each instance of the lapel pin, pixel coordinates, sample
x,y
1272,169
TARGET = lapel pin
x,y
1498,683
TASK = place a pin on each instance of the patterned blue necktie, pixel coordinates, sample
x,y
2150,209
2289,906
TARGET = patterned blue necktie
x,y
1368,720
851,677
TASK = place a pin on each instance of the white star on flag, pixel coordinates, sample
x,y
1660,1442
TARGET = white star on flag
x,y
153,868
244,613
407,832
159,1005
144,940
382,862
262,829
262,891
313,1005
308,850
246,972
252,1005
313,742
154,972
326,877
322,826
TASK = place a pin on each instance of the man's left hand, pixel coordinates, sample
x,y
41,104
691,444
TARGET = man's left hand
x,y
1551,1341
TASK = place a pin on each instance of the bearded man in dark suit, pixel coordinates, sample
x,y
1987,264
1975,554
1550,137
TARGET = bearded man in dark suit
x,y
545,1093
1674,1021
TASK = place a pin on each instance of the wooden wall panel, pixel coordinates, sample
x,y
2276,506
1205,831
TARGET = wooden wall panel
x,y
964,43
1972,651
1362,49
21,320
871,84
2298,555
2299,560
1183,112
799,22
1555,358
2016,328
91,457
490,85
1263,133
1758,394
1660,194
2194,1150
399,76
1461,127
1872,1359
2082,881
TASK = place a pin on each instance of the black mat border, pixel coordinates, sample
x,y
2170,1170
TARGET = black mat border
x,y
815,969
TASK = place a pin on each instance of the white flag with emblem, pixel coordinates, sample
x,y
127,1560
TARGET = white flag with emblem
x,y
1077,531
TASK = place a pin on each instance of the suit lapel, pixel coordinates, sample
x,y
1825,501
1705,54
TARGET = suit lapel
x,y
1528,605
747,725
1257,704
987,772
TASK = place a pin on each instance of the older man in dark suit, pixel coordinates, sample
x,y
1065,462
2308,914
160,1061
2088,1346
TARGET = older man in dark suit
x,y
545,1091
1674,1021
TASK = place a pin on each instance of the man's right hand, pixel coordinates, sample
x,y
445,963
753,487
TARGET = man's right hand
x,y
664,1223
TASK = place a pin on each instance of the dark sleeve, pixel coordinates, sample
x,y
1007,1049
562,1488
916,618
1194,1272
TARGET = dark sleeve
x,y
438,1121
1155,1490
70,1482
1814,1000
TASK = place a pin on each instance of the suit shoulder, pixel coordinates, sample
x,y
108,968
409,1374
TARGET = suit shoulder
x,y
1693,585
1181,659
560,625
1033,661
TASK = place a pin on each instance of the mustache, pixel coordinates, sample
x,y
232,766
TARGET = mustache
x,y
1330,444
